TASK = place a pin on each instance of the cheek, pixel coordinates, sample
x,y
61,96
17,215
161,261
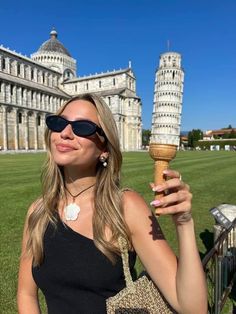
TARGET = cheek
x,y
54,136
53,139
90,146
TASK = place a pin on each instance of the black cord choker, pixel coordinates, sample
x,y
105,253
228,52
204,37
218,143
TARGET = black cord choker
x,y
72,210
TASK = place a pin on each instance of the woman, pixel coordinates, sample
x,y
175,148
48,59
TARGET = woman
x,y
70,248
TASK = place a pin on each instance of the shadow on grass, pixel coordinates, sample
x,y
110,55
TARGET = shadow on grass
x,y
207,238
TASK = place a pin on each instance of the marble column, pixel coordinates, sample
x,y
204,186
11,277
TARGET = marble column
x,y
24,99
7,65
43,117
34,100
36,144
8,93
122,122
20,96
14,91
16,129
26,129
5,124
3,92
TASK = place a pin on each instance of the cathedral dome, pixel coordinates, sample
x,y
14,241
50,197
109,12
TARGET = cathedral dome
x,y
53,45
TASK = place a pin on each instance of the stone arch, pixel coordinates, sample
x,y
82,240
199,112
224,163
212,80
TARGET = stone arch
x,y
68,74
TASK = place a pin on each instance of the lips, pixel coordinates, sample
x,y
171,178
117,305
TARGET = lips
x,y
64,147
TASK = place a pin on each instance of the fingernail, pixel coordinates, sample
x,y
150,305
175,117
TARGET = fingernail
x,y
155,203
157,213
165,171
157,188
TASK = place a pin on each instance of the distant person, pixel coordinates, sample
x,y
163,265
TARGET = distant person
x,y
70,249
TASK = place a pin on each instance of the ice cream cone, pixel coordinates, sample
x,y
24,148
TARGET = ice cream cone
x,y
162,154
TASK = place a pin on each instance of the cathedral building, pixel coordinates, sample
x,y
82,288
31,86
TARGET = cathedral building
x,y
31,87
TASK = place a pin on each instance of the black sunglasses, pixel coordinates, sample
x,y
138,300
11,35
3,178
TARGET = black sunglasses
x,y
81,128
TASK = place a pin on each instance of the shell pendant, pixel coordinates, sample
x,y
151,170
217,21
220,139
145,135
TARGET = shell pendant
x,y
71,211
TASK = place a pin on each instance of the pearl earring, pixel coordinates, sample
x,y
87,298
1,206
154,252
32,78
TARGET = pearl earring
x,y
103,161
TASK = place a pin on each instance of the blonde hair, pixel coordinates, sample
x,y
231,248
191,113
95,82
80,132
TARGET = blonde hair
x,y
108,195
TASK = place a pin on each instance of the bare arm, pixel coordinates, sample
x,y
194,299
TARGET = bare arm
x,y
182,282
27,293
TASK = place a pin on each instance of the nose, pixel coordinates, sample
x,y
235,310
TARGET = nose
x,y
67,133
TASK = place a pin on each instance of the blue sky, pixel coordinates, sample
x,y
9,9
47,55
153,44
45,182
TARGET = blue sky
x,y
105,34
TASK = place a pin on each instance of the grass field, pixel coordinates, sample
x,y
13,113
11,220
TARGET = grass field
x,y
211,175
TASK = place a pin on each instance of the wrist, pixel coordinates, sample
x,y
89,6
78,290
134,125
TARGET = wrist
x,y
182,218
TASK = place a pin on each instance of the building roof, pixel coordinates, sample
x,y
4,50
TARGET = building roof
x,y
117,91
220,132
97,75
26,59
53,45
31,84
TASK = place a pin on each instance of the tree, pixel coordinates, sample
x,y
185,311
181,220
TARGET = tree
x,y
232,134
194,136
146,137
228,127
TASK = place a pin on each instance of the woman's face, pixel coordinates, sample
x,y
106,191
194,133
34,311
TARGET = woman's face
x,y
67,148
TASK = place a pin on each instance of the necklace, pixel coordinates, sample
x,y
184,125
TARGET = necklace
x,y
72,210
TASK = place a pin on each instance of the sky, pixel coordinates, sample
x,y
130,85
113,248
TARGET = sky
x,y
103,35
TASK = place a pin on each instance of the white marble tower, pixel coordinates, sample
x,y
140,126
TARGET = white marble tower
x,y
168,97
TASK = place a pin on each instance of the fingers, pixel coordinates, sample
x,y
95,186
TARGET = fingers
x,y
170,184
172,173
178,199
174,182
174,209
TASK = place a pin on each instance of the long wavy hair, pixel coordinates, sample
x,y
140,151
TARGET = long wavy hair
x,y
107,193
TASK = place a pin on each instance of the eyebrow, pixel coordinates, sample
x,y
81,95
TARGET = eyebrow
x,y
77,119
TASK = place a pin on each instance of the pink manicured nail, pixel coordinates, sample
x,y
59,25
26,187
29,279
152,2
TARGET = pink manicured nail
x,y
157,188
155,203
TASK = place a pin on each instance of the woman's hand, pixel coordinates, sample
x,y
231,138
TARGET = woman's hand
x,y
176,200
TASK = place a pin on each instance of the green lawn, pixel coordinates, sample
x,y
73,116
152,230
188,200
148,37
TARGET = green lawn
x,y
211,175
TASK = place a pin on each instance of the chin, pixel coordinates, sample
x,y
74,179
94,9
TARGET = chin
x,y
62,159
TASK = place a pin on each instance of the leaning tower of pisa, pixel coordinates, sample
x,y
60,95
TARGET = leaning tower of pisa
x,y
168,96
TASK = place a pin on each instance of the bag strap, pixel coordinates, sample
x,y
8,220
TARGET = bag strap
x,y
125,262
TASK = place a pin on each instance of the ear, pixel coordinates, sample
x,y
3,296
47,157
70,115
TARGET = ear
x,y
104,155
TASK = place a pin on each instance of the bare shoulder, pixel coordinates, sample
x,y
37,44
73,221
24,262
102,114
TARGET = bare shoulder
x,y
136,210
133,200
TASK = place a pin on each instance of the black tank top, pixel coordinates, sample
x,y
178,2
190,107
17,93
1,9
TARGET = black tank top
x,y
75,277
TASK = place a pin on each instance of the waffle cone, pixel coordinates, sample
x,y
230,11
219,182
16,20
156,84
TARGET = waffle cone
x,y
162,154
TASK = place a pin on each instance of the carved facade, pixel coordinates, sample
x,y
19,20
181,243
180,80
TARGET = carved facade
x,y
32,87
